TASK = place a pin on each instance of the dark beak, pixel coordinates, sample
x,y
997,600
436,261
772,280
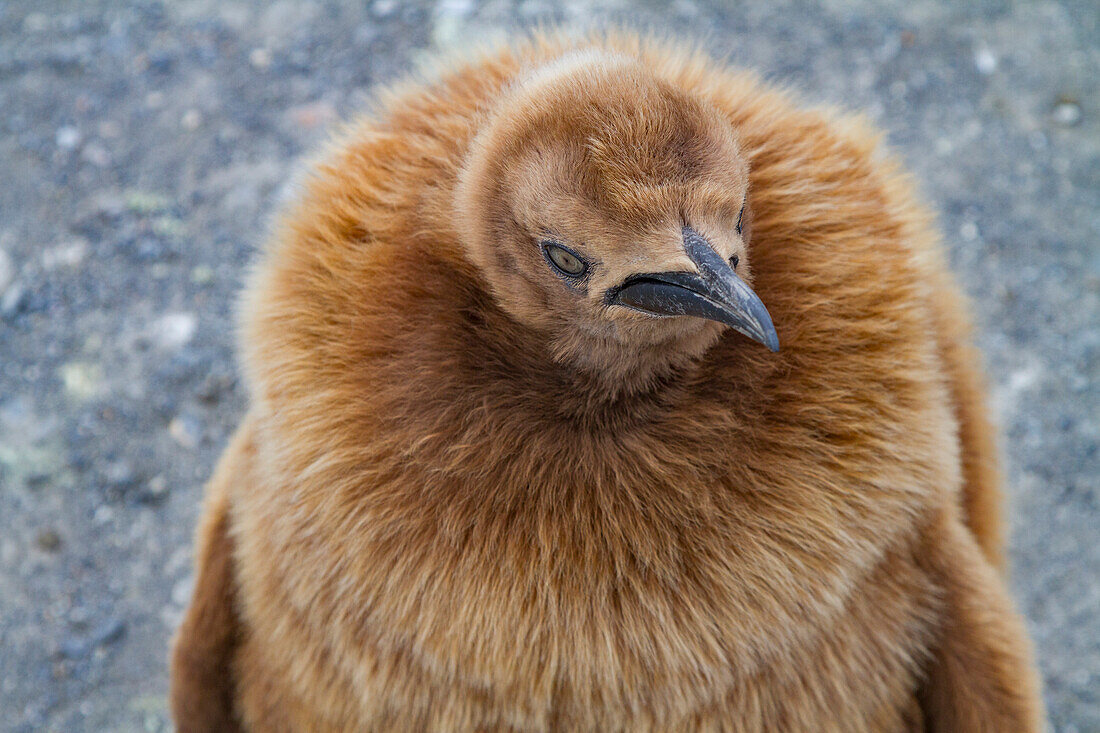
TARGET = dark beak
x,y
714,292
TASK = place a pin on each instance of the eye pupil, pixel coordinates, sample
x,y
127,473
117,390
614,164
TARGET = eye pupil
x,y
740,216
565,261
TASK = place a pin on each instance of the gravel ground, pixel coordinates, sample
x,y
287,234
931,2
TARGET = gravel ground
x,y
145,146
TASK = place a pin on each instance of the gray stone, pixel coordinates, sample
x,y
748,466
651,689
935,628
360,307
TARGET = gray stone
x,y
109,632
74,647
7,270
13,299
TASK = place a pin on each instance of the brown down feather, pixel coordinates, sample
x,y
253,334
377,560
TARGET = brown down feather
x,y
468,496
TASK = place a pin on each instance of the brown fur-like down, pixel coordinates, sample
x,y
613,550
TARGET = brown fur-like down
x,y
470,495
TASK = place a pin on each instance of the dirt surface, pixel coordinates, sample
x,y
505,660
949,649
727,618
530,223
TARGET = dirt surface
x,y
144,147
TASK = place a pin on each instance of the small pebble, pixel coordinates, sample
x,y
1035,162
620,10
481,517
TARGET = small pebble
x,y
7,270
79,616
144,203
185,430
158,485
156,491
161,62
48,540
36,479
149,248
110,631
13,300
260,58
169,227
382,8
67,254
202,275
82,380
120,475
174,330
191,120
68,137
74,647
985,61
455,7
212,388
1067,113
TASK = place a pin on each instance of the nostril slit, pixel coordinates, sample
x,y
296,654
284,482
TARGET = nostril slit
x,y
733,261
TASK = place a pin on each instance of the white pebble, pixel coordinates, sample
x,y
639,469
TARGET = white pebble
x,y
174,330
382,8
68,137
191,120
1067,113
455,7
67,254
185,430
260,58
969,231
82,380
985,61
7,270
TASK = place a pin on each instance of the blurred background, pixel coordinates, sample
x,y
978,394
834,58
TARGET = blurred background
x,y
145,146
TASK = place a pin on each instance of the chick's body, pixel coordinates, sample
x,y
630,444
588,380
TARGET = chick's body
x,y
447,510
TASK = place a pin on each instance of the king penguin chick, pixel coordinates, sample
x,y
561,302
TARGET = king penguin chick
x,y
595,387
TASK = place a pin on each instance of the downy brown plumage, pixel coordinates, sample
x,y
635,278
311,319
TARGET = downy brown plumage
x,y
496,476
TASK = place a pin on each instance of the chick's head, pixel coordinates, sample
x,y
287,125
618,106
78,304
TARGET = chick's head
x,y
606,207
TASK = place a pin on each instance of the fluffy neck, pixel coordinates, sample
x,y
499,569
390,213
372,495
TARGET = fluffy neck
x,y
573,373
608,370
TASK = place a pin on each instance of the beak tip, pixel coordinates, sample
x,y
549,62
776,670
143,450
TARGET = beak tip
x,y
761,328
765,334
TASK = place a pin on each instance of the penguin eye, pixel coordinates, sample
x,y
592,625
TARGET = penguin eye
x,y
740,216
564,260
